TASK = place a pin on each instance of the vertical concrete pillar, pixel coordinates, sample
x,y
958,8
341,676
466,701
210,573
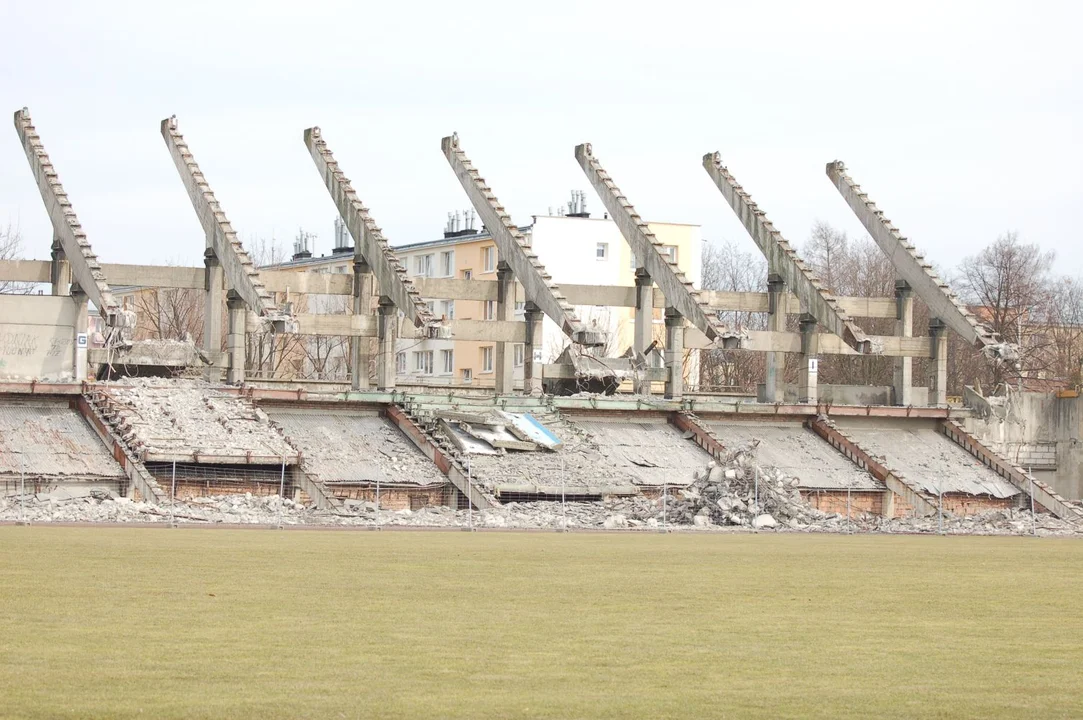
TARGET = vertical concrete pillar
x,y
79,342
235,346
361,347
58,270
385,355
808,378
938,364
777,302
674,354
643,333
212,316
504,357
904,327
532,353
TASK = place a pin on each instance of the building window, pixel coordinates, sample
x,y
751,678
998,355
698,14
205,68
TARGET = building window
x,y
601,251
447,360
489,311
423,362
487,359
633,265
448,308
423,266
670,251
341,269
520,309
431,305
447,263
488,258
468,375
400,363
468,274
519,354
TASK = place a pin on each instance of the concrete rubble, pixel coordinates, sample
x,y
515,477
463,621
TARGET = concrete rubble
x,y
725,497
184,417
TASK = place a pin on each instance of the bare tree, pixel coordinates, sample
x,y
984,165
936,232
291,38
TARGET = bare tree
x,y
169,314
11,245
726,267
1007,287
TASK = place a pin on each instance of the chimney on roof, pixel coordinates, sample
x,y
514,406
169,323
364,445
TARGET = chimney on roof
x,y
577,207
343,241
301,249
459,225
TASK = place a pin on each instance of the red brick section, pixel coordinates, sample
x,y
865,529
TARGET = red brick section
x,y
1044,496
687,422
446,464
143,483
911,496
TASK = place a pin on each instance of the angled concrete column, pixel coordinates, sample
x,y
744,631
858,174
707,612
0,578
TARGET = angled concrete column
x,y
904,327
79,342
644,324
58,270
361,347
938,363
385,354
504,357
212,316
808,373
774,390
674,354
532,353
235,346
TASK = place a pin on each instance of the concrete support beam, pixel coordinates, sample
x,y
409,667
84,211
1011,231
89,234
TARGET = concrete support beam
x,y
775,362
81,321
385,354
532,353
679,291
235,343
58,270
807,381
361,347
212,315
539,285
674,354
783,259
504,356
938,367
644,324
904,327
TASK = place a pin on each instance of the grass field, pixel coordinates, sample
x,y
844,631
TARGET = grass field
x,y
120,622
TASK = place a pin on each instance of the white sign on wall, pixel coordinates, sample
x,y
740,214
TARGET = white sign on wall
x,y
80,341
537,355
813,365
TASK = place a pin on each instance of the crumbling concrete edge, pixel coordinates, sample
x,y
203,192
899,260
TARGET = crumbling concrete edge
x,y
141,479
307,481
896,482
447,465
1044,496
688,422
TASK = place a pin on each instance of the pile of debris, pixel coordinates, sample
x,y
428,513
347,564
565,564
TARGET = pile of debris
x,y
494,432
182,417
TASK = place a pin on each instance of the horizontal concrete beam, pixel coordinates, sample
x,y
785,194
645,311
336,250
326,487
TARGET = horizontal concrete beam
x,y
828,344
561,371
35,271
309,282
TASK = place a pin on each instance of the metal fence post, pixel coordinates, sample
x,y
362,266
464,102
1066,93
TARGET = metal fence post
x,y
563,498
1033,517
940,509
469,503
281,490
173,498
849,513
665,501
22,488
756,493
378,502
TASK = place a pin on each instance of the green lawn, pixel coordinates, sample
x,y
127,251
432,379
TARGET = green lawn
x,y
124,622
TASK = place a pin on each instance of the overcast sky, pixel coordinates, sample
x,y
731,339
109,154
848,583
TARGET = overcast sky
x,y
962,120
